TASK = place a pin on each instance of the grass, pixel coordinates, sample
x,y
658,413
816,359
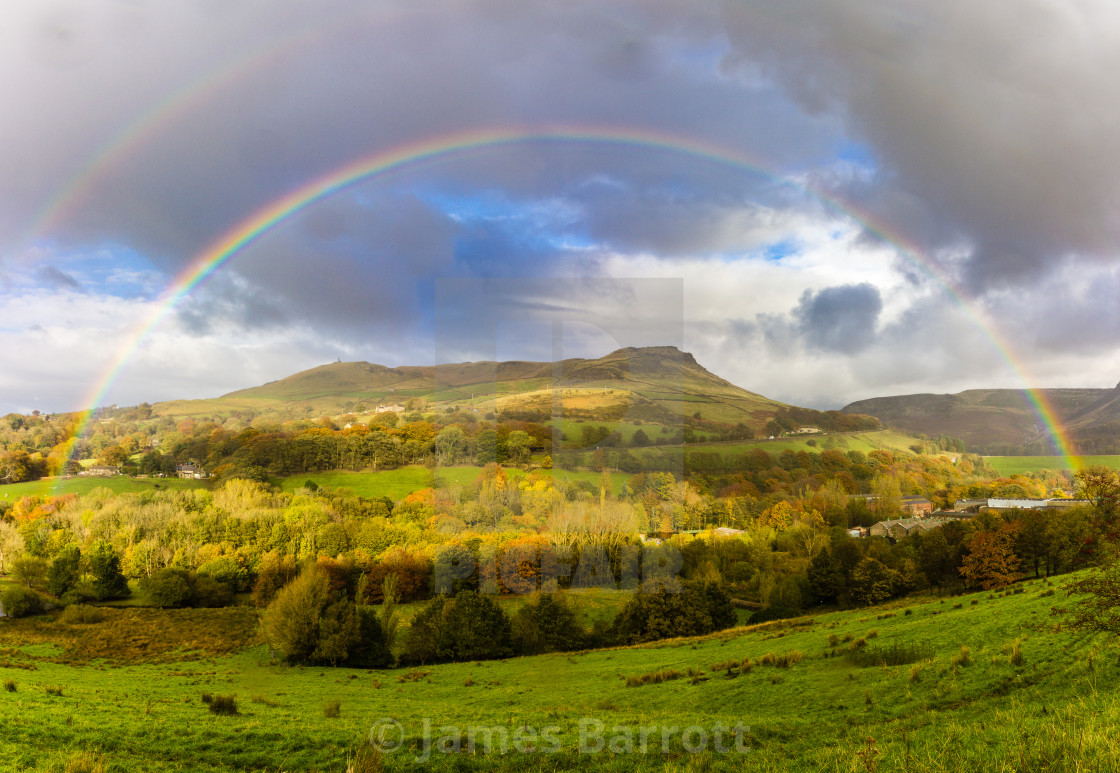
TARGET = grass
x,y
1052,711
118,484
1017,465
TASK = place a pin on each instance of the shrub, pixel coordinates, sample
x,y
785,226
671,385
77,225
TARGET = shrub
x,y
169,588
80,614
222,704
332,708
10,685
833,640
964,657
21,602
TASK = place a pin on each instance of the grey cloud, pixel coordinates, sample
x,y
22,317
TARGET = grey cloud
x,y
1004,117
839,319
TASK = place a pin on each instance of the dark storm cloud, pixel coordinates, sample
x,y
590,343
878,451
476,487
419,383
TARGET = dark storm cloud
x,y
839,319
1003,117
323,89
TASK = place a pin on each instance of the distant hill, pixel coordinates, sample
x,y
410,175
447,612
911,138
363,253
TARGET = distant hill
x,y
1000,421
658,384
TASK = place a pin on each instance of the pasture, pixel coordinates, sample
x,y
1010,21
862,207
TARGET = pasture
x,y
978,682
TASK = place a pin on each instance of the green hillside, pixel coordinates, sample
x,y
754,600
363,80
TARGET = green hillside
x,y
995,685
989,420
659,385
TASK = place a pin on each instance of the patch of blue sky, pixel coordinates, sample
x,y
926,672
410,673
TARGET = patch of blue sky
x,y
780,250
109,270
855,153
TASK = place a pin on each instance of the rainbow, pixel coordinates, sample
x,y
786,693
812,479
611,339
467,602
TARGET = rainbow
x,y
252,228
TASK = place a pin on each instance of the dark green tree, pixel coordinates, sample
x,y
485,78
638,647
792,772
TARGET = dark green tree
x,y
826,582
547,624
105,566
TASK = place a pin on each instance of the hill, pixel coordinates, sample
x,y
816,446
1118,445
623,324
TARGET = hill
x,y
653,384
1002,420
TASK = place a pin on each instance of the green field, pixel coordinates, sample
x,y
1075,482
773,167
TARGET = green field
x,y
1017,465
1055,708
118,484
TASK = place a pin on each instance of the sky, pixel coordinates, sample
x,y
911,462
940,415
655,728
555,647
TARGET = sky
x,y
822,200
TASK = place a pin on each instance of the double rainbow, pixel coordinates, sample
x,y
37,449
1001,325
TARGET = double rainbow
x,y
446,146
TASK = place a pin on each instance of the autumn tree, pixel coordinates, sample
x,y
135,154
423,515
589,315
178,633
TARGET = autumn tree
x,y
991,561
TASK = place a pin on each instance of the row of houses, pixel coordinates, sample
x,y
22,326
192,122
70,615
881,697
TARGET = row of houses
x,y
190,470
904,527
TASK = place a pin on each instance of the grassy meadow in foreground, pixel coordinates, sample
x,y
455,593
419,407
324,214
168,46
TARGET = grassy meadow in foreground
x,y
995,684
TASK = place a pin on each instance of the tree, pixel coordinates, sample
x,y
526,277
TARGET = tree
x,y
1098,605
291,622
466,626
518,445
825,579
105,566
449,444
65,571
991,561
547,624
339,632
30,571
390,615
872,581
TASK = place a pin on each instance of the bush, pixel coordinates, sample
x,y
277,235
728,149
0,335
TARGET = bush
x,y
80,614
210,592
169,588
221,704
172,588
21,602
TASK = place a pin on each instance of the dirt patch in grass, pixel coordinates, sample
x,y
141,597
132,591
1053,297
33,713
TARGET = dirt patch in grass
x,y
138,635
